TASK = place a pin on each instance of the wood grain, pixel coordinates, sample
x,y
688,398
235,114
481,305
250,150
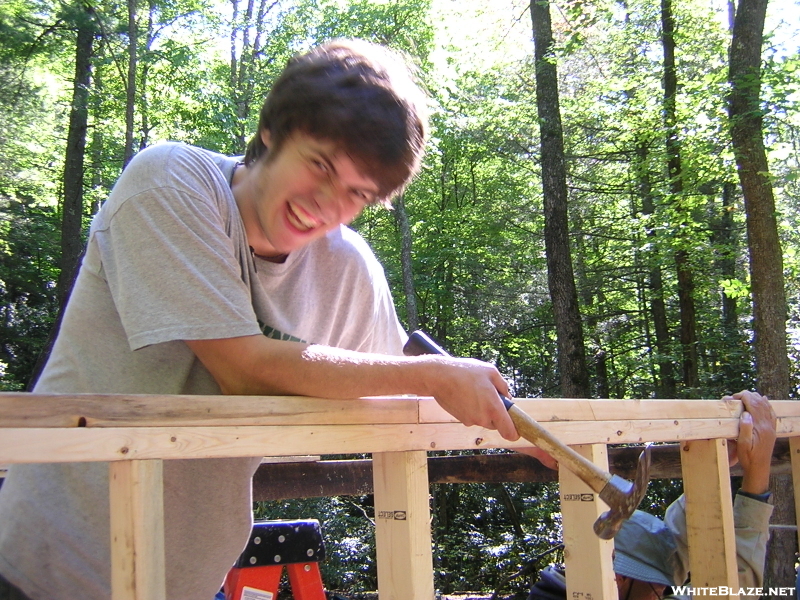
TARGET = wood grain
x,y
137,530
587,558
709,514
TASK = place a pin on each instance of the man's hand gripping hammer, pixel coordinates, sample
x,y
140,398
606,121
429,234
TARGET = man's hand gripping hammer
x,y
621,495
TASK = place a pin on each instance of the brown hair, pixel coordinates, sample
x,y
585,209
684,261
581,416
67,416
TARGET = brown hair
x,y
356,94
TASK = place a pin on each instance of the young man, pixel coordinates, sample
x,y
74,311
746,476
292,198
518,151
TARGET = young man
x,y
203,275
651,555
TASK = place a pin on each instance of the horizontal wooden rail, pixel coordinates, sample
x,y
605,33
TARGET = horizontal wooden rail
x,y
280,478
136,433
119,410
37,428
312,477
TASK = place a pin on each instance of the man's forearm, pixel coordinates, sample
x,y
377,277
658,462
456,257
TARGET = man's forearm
x,y
256,365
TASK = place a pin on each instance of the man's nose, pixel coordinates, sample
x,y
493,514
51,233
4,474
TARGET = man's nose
x,y
331,198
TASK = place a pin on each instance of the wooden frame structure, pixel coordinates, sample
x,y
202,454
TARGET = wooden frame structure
x,y
135,434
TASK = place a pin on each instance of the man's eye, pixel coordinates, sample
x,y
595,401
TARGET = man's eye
x,y
319,165
363,197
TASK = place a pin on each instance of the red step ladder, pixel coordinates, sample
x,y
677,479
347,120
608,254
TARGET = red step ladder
x,y
273,545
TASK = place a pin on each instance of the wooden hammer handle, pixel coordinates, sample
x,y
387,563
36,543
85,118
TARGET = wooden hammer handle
x,y
595,477
530,429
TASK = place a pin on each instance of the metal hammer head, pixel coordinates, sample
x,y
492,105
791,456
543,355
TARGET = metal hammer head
x,y
623,497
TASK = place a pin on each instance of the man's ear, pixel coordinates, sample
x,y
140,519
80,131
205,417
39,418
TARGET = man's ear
x,y
265,137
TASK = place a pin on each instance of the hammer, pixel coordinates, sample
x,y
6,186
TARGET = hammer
x,y
621,495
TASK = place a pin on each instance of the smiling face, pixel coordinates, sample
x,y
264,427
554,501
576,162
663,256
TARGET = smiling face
x,y
305,190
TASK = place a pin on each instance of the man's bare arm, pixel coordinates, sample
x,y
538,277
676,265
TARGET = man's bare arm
x,y
258,365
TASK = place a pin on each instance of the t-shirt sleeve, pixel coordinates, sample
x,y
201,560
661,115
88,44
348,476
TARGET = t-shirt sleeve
x,y
172,271
387,335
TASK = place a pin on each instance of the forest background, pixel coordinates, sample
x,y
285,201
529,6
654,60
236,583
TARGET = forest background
x,y
654,217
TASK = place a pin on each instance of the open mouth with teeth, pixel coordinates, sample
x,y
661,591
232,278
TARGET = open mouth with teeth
x,y
300,219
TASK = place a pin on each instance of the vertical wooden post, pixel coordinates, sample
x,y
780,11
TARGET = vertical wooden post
x,y
709,514
587,558
136,491
794,453
403,525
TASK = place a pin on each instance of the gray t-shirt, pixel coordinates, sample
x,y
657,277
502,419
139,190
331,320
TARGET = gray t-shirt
x,y
167,260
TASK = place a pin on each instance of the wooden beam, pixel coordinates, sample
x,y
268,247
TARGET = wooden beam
x,y
278,481
24,445
18,410
402,526
709,515
137,530
124,410
354,477
587,558
567,409
317,478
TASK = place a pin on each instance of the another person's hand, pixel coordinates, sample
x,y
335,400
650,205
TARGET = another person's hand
x,y
753,448
540,455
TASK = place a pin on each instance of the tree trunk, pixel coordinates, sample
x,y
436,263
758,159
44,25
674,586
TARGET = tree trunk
x,y
732,357
244,57
130,87
766,258
560,277
144,77
601,362
234,60
412,315
666,384
597,338
686,303
72,210
727,262
664,381
97,146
